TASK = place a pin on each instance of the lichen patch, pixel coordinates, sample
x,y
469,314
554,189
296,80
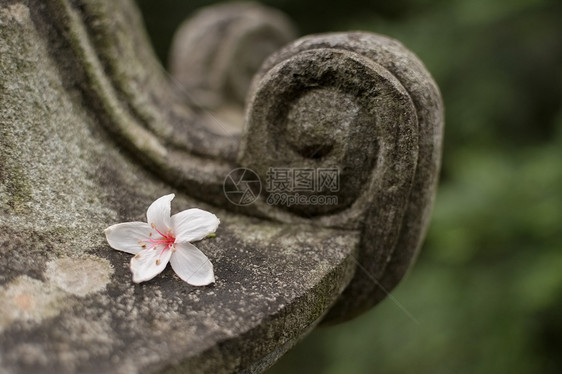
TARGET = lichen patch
x,y
79,276
27,299
18,12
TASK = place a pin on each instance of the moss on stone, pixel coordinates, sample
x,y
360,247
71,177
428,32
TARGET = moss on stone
x,y
15,189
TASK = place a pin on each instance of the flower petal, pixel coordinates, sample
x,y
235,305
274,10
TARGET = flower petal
x,y
158,213
127,237
193,224
191,265
148,263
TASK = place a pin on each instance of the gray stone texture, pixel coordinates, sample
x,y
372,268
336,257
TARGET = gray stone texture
x,y
92,130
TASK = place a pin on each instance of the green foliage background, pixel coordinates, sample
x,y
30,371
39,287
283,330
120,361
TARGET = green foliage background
x,y
486,293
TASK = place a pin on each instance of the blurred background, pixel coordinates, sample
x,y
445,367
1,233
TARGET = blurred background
x,y
486,293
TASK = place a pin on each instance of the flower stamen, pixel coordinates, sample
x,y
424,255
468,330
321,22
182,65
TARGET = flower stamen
x,y
158,231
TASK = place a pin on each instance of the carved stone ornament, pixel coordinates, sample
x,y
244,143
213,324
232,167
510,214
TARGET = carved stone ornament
x,y
323,181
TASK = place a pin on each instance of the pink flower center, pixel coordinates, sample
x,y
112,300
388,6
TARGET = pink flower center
x,y
166,240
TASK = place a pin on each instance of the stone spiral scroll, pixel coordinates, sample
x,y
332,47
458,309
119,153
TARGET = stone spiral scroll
x,y
363,104
93,129
231,41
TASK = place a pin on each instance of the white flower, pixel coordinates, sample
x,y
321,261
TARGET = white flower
x,y
164,239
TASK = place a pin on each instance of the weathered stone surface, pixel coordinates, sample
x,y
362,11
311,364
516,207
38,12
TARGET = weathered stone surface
x,y
92,131
363,103
216,52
